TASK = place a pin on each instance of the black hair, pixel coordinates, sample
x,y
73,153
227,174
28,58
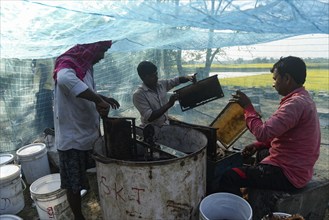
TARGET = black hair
x,y
145,68
294,66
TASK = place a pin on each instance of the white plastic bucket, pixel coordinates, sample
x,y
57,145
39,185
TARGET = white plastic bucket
x,y
10,217
34,161
50,200
6,159
225,206
11,196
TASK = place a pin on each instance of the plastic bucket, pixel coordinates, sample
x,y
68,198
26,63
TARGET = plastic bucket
x,y
6,159
10,217
50,200
12,197
225,206
34,161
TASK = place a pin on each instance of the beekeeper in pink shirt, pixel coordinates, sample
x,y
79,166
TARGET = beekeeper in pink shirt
x,y
291,136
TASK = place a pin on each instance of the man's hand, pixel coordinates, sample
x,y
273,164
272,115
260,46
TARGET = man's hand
x,y
184,79
114,103
172,99
240,98
103,108
249,150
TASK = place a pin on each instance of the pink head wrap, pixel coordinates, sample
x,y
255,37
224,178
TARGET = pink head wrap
x,y
80,57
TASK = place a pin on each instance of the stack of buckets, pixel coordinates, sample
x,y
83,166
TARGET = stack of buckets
x,y
34,161
11,187
49,198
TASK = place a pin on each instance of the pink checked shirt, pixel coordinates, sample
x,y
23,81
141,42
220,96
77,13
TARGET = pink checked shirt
x,y
293,134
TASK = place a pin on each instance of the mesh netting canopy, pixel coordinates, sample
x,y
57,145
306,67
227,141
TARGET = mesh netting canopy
x,y
34,29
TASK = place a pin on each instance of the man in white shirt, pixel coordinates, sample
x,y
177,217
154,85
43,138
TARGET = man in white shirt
x,y
77,107
150,98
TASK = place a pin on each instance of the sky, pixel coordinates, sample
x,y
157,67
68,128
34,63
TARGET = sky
x,y
305,46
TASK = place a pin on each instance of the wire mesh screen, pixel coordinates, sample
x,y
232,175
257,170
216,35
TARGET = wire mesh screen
x,y
27,90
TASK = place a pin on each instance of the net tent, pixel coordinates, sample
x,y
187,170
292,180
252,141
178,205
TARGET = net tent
x,y
34,33
51,27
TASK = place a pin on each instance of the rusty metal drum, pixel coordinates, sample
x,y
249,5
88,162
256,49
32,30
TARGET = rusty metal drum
x,y
161,189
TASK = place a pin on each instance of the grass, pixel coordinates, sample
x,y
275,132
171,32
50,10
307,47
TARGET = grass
x,y
244,66
232,66
251,66
317,80
317,75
